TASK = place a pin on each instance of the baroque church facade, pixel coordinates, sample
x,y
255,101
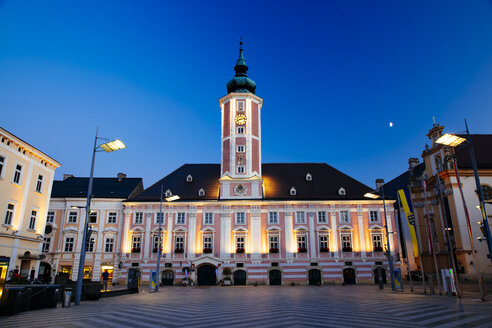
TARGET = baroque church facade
x,y
268,223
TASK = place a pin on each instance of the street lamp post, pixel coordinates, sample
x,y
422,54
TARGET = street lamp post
x,y
390,258
107,147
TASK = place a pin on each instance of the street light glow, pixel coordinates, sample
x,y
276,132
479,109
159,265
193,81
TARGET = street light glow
x,y
371,195
172,198
450,140
113,145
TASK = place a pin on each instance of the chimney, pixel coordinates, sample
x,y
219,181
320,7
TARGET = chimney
x,y
66,176
121,176
412,162
379,183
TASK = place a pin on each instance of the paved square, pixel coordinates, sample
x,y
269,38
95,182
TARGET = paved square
x,y
265,306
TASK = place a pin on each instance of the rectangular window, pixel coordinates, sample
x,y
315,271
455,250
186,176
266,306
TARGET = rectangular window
x,y
155,244
180,218
323,243
208,218
179,244
109,245
240,218
240,243
136,241
2,163
344,217
93,217
46,245
377,242
32,220
39,184
88,272
72,217
240,129
346,242
50,217
300,217
9,214
273,241
322,217
138,218
89,246
373,216
240,169
159,218
301,243
69,244
240,149
208,241
17,174
112,217
240,106
273,217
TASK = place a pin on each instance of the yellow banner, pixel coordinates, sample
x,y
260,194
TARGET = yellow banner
x,y
407,207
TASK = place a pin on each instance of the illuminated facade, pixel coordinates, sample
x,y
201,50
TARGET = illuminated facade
x,y
26,177
268,223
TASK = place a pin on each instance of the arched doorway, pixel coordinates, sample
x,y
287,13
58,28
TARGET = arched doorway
x,y
376,275
275,277
239,277
206,275
349,276
168,278
314,277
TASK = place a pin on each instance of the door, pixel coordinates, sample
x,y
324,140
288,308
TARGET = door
x,y
275,277
206,275
376,275
168,278
133,279
349,276
240,277
314,277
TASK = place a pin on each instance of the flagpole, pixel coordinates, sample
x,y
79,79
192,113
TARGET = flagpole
x,y
404,243
419,242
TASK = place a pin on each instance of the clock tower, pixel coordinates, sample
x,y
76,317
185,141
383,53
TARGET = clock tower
x,y
240,166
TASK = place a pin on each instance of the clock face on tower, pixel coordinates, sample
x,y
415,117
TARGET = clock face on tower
x,y
240,119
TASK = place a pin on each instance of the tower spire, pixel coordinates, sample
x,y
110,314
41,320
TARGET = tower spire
x,y
241,82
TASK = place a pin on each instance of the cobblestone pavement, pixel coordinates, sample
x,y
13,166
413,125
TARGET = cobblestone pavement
x,y
265,306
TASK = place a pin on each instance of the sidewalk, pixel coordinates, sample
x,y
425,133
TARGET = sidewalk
x,y
470,290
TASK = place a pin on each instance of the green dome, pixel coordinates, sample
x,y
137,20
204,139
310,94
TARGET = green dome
x,y
241,82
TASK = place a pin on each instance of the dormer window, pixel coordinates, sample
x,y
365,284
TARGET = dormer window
x,y
293,191
341,192
309,177
189,178
201,192
168,193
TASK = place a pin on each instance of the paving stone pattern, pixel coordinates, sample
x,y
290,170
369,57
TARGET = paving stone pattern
x,y
265,306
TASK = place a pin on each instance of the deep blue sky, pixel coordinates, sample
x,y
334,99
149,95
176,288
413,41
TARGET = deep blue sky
x,y
332,74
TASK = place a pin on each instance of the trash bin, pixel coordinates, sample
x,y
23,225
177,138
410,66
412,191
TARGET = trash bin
x,y
67,297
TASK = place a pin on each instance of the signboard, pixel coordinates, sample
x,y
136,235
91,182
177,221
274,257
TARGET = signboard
x,y
153,282
397,275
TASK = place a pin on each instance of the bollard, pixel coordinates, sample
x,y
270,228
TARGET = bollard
x,y
431,284
449,288
67,297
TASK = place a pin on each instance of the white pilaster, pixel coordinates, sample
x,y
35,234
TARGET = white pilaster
x,y
312,235
289,235
255,246
334,232
191,234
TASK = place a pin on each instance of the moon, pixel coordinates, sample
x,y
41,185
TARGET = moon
x,y
391,124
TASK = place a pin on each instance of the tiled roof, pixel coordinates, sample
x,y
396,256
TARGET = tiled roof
x,y
278,181
402,181
102,187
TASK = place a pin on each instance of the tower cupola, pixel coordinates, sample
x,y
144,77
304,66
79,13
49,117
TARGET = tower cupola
x,y
241,82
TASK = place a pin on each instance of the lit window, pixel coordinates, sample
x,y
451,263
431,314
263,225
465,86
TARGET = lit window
x,y
69,244
240,218
240,169
180,218
112,217
322,217
346,242
46,244
72,217
109,245
32,220
300,217
323,243
88,272
159,218
9,214
374,216
344,217
50,217
17,174
272,217
208,218
138,218
39,184
240,129
240,149
301,243
136,242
